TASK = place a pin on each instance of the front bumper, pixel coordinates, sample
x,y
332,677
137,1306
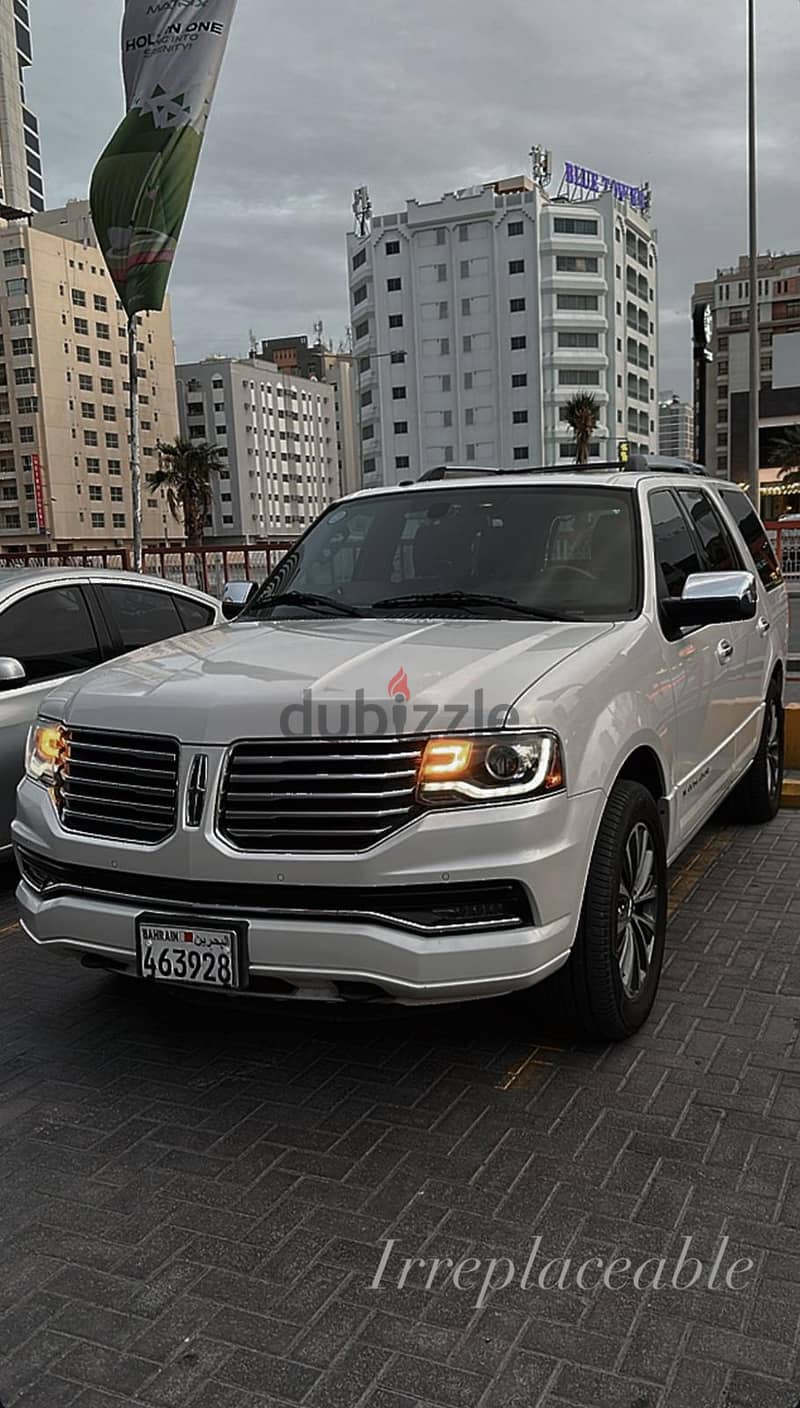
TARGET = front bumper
x,y
543,847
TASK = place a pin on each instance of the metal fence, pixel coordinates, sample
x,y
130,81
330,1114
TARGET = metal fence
x,y
206,568
786,542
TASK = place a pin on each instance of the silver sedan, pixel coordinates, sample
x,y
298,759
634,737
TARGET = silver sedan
x,y
56,622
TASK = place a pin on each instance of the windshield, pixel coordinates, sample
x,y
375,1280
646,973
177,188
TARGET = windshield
x,y
563,552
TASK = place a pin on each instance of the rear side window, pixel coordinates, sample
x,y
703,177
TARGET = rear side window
x,y
141,615
755,535
194,614
676,554
51,633
719,549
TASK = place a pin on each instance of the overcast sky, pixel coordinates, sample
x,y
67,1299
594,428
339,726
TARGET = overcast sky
x,y
418,98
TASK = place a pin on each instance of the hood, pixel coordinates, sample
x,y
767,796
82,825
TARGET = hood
x,y
310,678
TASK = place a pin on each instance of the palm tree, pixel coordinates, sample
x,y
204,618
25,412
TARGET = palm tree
x,y
786,456
581,413
185,472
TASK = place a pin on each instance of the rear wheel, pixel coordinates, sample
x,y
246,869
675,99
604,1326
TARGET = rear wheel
x,y
610,981
757,797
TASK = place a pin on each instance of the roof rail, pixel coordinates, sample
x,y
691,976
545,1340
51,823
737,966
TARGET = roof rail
x,y
637,464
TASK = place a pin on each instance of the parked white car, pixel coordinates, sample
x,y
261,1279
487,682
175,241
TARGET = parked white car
x,y
56,622
448,751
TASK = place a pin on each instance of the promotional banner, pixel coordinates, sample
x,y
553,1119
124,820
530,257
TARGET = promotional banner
x,y
38,494
172,52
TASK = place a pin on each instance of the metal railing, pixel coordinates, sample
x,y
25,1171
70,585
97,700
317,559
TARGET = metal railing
x,y
206,568
785,540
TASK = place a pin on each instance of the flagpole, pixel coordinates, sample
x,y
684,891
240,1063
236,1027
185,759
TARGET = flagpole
x,y
136,466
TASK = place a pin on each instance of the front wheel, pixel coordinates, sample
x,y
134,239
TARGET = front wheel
x,y
757,797
610,980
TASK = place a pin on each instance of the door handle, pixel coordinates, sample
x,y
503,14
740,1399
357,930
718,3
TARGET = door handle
x,y
763,625
724,652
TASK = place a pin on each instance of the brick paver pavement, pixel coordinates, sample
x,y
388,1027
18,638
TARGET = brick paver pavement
x,y
194,1198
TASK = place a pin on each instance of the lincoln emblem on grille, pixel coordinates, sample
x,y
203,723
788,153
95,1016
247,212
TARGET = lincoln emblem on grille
x,y
196,789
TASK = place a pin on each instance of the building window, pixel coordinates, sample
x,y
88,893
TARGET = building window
x,y
98,520
12,257
516,266
470,453
86,383
518,343
24,376
581,376
368,431
104,358
402,462
468,381
359,259
78,298
115,493
394,285
88,410
110,413
81,326
521,452
118,519
577,302
519,379
392,247
516,227
582,339
27,405
520,417
445,383
566,225
92,465
115,466
19,317
517,305
369,466
576,264
15,286
22,347
112,442
444,309
95,492
466,307
444,347
90,438
106,386
401,427
360,293
396,320
102,330
398,393
83,354
361,330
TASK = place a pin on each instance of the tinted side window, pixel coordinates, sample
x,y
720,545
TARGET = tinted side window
x,y
676,554
194,614
141,615
754,534
716,542
51,632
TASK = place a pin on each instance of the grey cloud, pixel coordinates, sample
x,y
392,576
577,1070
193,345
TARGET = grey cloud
x,y
420,98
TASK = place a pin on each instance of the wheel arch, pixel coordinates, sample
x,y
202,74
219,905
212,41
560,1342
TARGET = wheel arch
x,y
644,766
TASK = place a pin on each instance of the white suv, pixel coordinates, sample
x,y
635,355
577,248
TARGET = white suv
x,y
448,750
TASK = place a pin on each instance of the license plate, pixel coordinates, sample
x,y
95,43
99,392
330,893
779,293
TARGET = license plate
x,y
197,954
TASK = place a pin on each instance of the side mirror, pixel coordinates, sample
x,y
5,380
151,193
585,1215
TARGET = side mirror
x,y
712,598
12,673
235,598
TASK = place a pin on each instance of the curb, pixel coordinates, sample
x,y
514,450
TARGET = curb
x,y
790,796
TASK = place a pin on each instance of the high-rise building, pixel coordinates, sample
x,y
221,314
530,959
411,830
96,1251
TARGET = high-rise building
x,y
319,362
721,320
675,426
64,398
21,184
477,316
276,436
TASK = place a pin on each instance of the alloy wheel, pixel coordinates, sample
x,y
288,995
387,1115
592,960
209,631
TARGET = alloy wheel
x,y
773,750
637,909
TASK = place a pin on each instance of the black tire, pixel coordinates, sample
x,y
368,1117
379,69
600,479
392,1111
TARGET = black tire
x,y
592,987
756,799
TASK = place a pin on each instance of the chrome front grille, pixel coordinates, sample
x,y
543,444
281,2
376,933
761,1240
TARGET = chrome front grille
x,y
324,794
123,786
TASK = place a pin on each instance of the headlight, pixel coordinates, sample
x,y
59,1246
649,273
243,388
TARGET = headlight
x,y
45,751
496,768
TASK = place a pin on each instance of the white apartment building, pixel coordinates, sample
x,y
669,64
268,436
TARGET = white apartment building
x,y
64,395
675,426
276,436
21,185
477,316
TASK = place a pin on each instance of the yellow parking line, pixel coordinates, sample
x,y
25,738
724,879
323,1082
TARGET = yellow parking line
x,y
8,929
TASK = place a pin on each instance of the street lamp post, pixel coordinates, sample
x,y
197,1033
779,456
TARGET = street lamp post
x,y
753,451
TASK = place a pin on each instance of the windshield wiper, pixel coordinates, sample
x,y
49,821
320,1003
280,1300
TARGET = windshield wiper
x,y
322,603
476,602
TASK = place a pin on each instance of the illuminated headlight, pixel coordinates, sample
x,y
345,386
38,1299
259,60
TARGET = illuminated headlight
x,y
497,768
45,751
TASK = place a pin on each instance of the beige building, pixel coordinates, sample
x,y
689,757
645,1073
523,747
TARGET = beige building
x,y
64,388
21,185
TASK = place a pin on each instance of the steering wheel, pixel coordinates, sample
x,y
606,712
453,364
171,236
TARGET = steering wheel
x,y
565,570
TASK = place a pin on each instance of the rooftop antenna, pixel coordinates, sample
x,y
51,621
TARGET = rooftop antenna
x,y
541,166
362,211
253,343
319,333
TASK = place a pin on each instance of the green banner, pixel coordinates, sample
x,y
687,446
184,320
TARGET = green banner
x,y
172,52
